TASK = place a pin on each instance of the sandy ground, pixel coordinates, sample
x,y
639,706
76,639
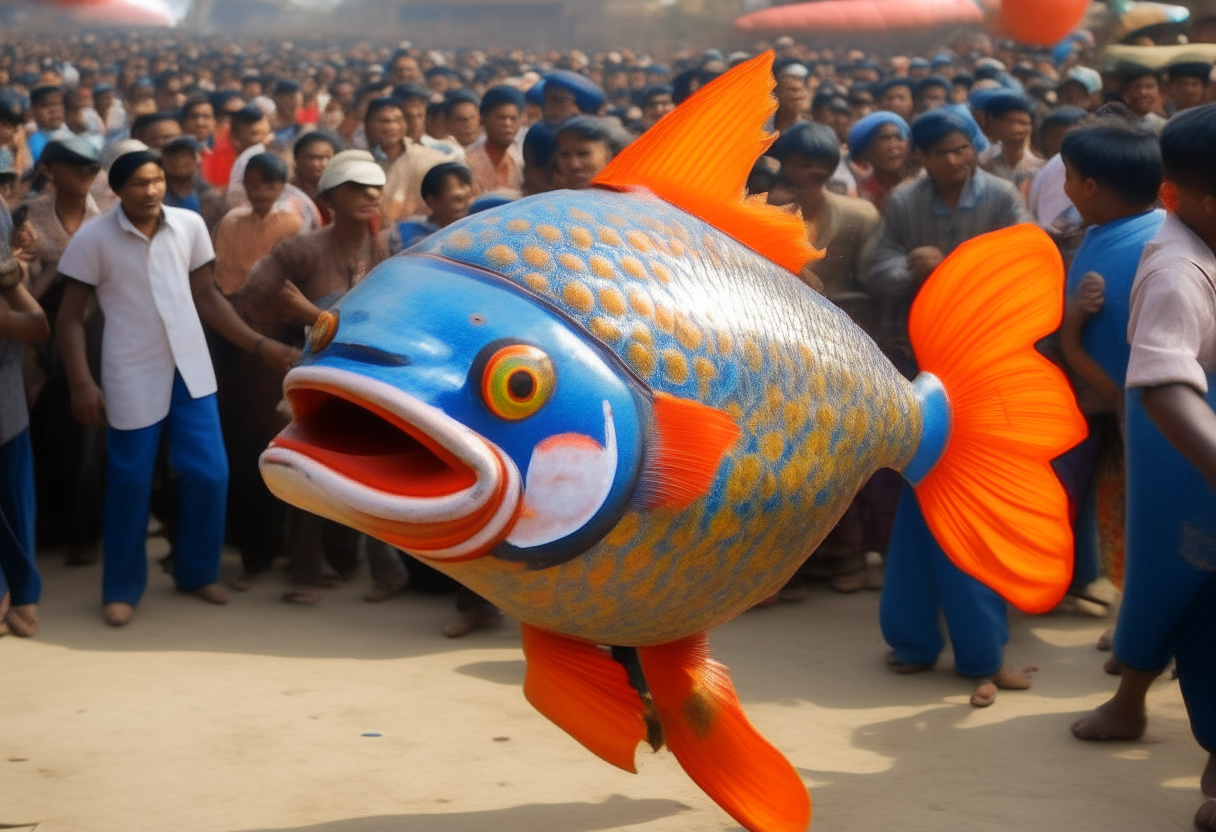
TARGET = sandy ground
x,y
256,716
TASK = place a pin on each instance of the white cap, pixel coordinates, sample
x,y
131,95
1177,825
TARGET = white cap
x,y
356,166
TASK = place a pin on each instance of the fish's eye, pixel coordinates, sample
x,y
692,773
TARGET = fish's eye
x,y
323,330
517,381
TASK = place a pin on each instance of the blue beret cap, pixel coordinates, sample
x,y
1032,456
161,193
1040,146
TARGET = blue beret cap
x,y
1007,101
863,132
935,125
500,95
586,92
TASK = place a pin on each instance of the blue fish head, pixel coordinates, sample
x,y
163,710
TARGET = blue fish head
x,y
447,411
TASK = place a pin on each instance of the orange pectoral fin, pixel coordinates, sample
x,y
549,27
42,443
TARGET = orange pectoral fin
x,y
582,690
690,440
705,727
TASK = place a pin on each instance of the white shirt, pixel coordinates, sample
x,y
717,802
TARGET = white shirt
x,y
152,327
1047,198
1172,325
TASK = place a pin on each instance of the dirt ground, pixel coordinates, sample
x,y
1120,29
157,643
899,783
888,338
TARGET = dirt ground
x,y
353,717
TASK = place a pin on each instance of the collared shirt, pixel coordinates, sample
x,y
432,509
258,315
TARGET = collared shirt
x,y
506,175
1021,174
152,326
1172,323
916,216
402,194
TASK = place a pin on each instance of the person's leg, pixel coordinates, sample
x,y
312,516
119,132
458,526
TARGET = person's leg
x,y
341,548
387,570
17,518
908,608
306,554
473,612
197,457
130,458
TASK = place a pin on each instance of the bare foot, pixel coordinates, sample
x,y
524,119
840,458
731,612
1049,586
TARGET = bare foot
x,y
905,668
304,595
22,620
1113,720
117,613
243,581
1107,640
379,593
1007,678
985,694
1207,783
464,624
853,582
211,593
1113,666
1205,818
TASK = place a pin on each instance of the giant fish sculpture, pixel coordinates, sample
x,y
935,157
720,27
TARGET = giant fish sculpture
x,y
617,415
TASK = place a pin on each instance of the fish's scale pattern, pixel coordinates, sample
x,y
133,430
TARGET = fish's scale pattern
x,y
697,315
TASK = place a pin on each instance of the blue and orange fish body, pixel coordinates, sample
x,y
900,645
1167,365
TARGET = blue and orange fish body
x,y
619,417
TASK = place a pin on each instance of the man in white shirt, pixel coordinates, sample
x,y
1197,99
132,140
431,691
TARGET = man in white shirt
x,y
151,270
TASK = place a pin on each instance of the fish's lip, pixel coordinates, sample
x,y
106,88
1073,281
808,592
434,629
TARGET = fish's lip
x,y
452,527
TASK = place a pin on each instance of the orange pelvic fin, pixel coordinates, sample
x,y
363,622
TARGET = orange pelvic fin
x,y
689,442
722,752
992,501
699,156
585,693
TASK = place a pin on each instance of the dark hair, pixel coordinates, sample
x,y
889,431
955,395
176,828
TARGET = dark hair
x,y
317,137
595,129
1003,102
145,121
386,102
270,165
247,116
1118,156
161,82
453,98
195,100
935,125
436,179
761,180
501,96
1186,147
538,146
286,86
435,108
1062,117
409,92
815,141
41,94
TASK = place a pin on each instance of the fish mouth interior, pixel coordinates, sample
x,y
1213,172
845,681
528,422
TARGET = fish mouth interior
x,y
371,445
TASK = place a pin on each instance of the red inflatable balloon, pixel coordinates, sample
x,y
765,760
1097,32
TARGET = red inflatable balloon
x,y
835,16
118,12
1039,22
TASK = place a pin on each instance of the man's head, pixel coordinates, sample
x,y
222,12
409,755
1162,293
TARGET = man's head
x,y
895,95
198,117
1112,170
139,181
72,164
1140,90
1081,87
288,99
656,101
1188,82
46,107
583,146
403,69
792,94
168,92
1058,123
881,139
462,112
1190,166
414,101
943,146
566,94
932,92
809,154
447,190
225,104
351,186
538,159
156,129
501,111
12,116
312,153
249,127
1010,118
180,158
251,86
384,122
265,179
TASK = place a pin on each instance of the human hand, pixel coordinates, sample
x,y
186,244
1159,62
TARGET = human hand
x,y
923,260
1091,293
89,404
276,354
25,243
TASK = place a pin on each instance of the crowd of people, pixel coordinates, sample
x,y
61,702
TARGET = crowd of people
x,y
177,213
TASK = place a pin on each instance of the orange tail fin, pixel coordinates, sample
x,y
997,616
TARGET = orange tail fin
x,y
722,752
992,500
586,694
698,158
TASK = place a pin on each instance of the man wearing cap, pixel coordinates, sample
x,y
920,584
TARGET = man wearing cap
x,y
880,140
1188,84
566,94
1081,87
288,290
496,159
150,269
792,94
655,102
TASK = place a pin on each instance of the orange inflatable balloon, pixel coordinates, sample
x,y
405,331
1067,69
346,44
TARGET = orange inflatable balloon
x,y
1040,22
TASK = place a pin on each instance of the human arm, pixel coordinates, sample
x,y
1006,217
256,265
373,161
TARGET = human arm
x,y
1187,421
889,274
217,313
88,402
21,318
1089,300
299,310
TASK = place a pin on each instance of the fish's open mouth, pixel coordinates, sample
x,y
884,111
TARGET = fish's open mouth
x,y
372,457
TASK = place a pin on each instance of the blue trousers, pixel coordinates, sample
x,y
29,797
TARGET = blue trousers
x,y
197,457
18,572
1169,589
920,583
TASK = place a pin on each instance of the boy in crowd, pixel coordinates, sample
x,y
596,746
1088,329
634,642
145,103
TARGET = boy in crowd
x,y
1169,599
880,140
495,159
583,147
1141,92
447,190
1010,123
1187,84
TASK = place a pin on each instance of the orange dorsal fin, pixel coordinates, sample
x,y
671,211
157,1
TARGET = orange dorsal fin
x,y
688,444
699,156
586,694
705,727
